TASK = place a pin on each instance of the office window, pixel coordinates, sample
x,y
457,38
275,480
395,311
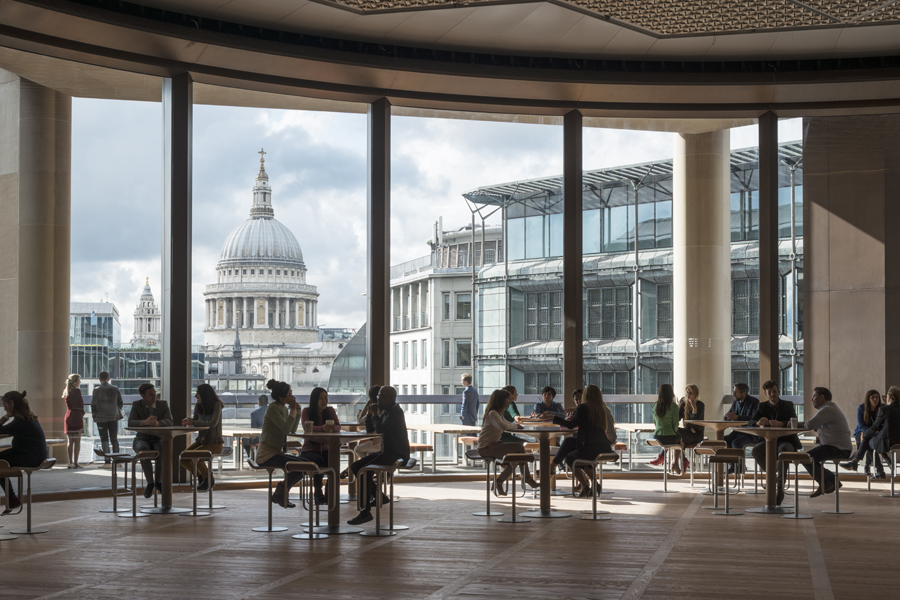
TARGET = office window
x,y
424,390
543,316
415,354
396,355
405,390
446,306
745,307
445,390
445,353
535,381
463,353
405,355
608,313
664,310
464,306
459,390
270,271
424,354
611,382
751,378
414,392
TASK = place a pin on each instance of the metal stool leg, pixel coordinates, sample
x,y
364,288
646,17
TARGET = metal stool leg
x,y
380,491
211,505
271,529
308,500
115,488
893,477
796,514
133,514
665,489
391,526
727,512
28,530
9,538
195,484
594,514
515,518
837,492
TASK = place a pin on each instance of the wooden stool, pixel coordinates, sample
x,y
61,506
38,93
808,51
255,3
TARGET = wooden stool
x,y
514,460
797,459
47,464
837,488
308,496
620,448
467,440
269,528
380,472
724,457
8,473
488,463
707,450
134,460
665,450
596,468
894,451
692,463
422,449
195,456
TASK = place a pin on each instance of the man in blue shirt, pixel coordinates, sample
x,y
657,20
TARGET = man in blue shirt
x,y
469,411
547,408
256,422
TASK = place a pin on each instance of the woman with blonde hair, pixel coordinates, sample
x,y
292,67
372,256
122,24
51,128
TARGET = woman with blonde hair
x,y
74,423
591,440
690,408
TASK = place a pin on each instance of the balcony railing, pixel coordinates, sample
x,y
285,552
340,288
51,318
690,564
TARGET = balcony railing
x,y
411,267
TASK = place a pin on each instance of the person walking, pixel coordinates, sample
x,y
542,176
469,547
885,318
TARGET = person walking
x,y
468,413
106,409
74,423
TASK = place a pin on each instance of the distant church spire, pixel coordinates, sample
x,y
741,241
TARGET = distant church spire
x,y
262,193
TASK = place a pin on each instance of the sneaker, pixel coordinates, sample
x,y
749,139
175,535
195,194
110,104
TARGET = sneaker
x,y
364,516
658,460
880,475
849,466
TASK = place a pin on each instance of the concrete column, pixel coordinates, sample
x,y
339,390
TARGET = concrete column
x,y
851,182
573,350
701,237
768,249
268,308
35,232
378,215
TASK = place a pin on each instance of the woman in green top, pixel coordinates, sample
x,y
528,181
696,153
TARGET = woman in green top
x,y
282,417
665,418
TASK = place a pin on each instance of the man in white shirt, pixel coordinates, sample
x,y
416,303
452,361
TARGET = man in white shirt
x,y
833,435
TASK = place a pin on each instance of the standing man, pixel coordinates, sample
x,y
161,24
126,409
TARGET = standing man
x,y
106,409
833,435
149,412
775,413
742,409
388,420
256,421
469,412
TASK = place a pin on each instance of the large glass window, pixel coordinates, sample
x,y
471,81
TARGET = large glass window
x,y
464,306
445,353
535,381
463,353
445,313
664,310
543,316
590,231
616,229
424,353
534,237
515,234
745,306
405,355
611,382
415,354
608,313
396,355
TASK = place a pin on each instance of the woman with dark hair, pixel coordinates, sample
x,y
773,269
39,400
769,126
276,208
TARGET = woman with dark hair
x,y
366,447
512,414
591,440
29,447
207,413
319,413
492,428
885,429
665,419
866,413
282,417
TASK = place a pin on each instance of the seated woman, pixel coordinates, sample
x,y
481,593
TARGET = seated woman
x,y
373,445
207,413
866,413
665,419
282,417
885,429
512,414
591,440
568,444
318,412
489,444
690,409
29,447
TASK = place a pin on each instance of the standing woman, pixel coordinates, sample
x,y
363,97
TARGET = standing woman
x,y
282,417
665,418
207,413
489,445
74,423
29,448
318,412
690,409
591,440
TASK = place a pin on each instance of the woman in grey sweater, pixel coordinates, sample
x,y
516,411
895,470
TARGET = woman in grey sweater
x,y
207,413
492,429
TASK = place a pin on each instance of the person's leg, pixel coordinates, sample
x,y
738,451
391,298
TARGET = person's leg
x,y
70,448
567,446
321,460
759,456
113,430
370,479
103,432
77,453
819,455
579,473
139,445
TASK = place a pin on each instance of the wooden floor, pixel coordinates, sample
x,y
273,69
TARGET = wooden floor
x,y
657,546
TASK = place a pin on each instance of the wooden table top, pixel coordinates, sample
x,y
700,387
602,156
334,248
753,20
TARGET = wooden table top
x,y
445,428
234,431
163,430
347,435
717,424
772,432
635,427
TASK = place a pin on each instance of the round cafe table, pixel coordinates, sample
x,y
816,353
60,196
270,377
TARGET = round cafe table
x,y
543,434
719,428
771,435
334,440
166,434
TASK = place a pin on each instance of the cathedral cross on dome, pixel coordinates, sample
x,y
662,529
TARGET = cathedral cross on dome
x,y
262,154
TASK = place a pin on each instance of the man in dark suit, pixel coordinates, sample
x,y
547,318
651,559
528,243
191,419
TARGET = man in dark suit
x,y
388,420
775,413
742,409
149,412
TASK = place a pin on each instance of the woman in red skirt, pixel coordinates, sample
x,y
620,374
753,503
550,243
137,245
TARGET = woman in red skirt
x,y
74,418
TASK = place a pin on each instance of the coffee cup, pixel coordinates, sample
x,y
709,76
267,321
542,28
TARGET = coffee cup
x,y
307,426
794,423
329,425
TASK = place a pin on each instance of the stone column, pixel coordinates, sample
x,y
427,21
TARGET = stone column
x,y
297,304
701,237
244,313
35,232
268,308
277,313
851,182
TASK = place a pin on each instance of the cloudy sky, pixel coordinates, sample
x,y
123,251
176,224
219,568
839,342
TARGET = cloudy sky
x,y
316,164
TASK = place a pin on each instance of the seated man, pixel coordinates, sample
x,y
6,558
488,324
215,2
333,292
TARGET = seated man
x,y
775,413
833,435
547,408
742,409
388,420
149,412
256,422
